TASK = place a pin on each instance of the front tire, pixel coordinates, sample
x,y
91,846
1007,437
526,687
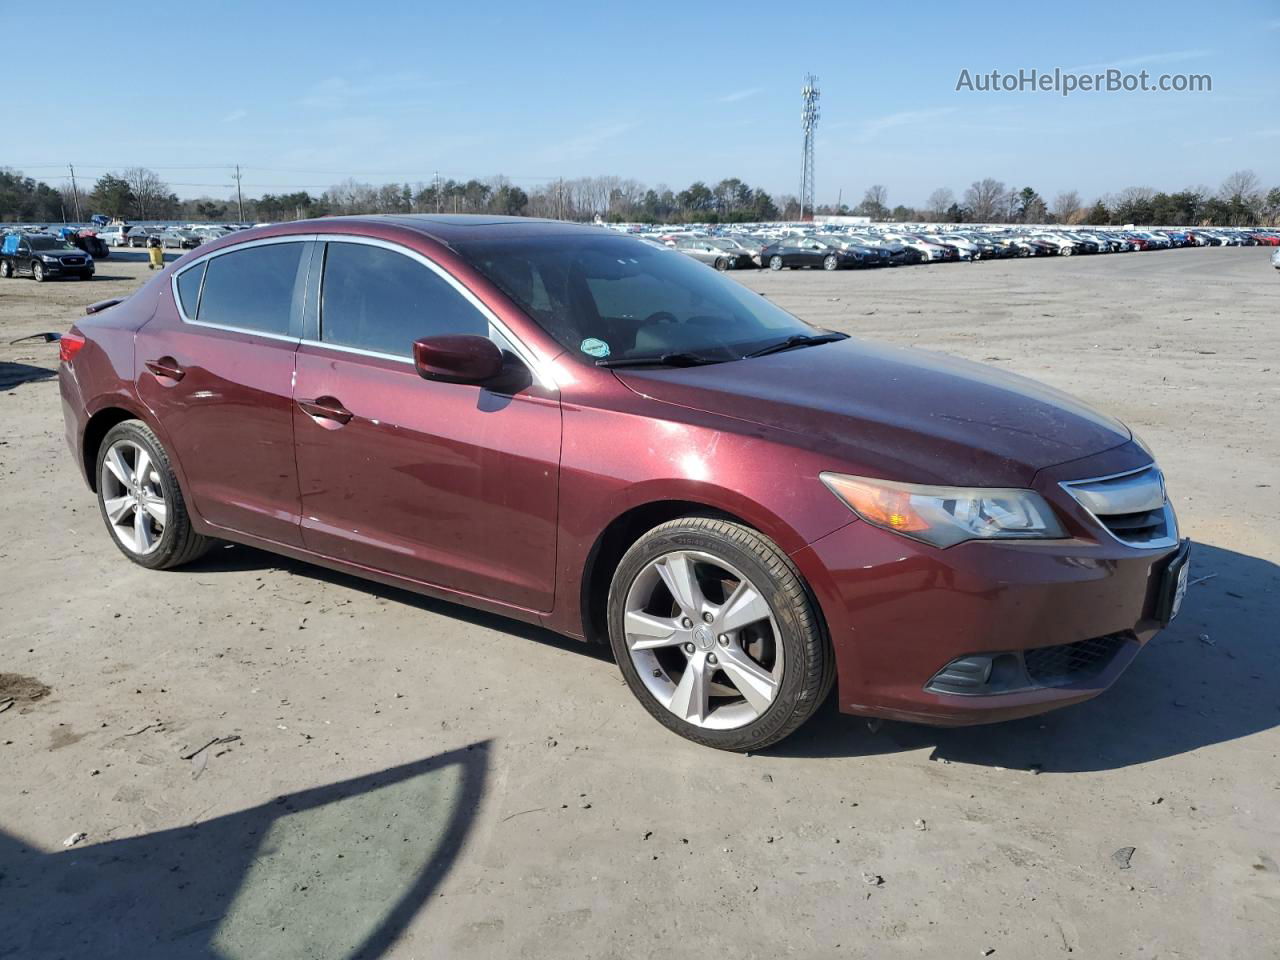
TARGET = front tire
x,y
141,502
717,635
37,271
830,262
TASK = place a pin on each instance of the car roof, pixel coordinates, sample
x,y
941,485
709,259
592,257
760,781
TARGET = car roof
x,y
448,227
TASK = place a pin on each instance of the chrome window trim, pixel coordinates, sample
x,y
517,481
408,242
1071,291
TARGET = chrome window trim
x,y
177,300
1170,518
518,347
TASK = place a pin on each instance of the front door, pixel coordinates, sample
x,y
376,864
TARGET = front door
x,y
446,484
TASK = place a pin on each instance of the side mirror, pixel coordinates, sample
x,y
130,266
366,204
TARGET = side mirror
x,y
457,359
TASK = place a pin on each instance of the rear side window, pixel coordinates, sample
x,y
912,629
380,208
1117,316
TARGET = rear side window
x,y
252,288
377,299
189,288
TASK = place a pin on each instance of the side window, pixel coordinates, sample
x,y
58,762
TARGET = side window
x,y
189,288
377,299
251,288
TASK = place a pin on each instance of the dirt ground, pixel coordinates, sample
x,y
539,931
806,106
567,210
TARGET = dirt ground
x,y
383,775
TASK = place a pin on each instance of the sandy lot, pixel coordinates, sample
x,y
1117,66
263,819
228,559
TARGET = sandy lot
x,y
412,779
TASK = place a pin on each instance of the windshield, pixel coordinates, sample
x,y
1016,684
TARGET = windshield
x,y
618,298
49,243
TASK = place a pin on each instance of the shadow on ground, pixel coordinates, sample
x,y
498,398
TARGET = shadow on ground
x,y
15,374
333,872
1180,694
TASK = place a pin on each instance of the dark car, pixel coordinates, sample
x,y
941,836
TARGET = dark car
x,y
576,429
43,257
798,252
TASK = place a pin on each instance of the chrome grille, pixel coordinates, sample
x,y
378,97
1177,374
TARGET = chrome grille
x,y
1132,506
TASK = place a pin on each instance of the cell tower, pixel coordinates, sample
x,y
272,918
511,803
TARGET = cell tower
x,y
809,122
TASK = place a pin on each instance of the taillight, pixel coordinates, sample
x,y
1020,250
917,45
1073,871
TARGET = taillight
x,y
69,346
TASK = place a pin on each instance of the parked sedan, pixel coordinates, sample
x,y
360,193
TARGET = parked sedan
x,y
707,250
797,252
571,428
180,239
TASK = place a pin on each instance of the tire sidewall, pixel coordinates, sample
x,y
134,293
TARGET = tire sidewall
x,y
132,431
792,633
775,263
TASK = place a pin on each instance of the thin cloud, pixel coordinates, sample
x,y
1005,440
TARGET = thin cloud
x,y
235,115
740,95
904,118
1147,59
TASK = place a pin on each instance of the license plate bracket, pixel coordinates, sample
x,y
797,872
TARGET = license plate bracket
x,y
1173,584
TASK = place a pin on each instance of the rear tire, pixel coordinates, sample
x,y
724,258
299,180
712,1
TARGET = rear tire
x,y
767,640
6,269
163,537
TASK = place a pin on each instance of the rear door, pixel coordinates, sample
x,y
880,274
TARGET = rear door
x,y
443,483
215,366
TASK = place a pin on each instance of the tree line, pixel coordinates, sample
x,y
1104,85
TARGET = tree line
x,y
138,193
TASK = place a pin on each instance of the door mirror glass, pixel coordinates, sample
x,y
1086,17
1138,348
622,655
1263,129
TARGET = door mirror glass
x,y
461,358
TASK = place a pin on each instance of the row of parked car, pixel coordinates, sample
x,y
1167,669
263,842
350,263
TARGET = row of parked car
x,y
177,238
835,248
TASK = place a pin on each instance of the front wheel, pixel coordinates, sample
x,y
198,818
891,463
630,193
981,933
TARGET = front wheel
x,y
37,271
140,501
716,634
775,263
830,262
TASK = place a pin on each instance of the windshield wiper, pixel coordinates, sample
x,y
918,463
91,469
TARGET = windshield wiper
x,y
665,360
799,340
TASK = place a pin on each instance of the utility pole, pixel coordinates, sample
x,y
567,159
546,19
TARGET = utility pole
x,y
75,194
239,195
437,175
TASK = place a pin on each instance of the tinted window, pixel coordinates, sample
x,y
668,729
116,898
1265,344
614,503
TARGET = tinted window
x,y
189,288
376,299
251,288
641,301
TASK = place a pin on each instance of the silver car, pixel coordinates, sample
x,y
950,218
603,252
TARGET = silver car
x,y
1275,258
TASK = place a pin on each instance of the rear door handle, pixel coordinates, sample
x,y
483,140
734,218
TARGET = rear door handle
x,y
166,367
326,408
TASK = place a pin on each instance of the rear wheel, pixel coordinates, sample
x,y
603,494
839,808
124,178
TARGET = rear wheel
x,y
6,269
140,501
716,634
775,263
722,264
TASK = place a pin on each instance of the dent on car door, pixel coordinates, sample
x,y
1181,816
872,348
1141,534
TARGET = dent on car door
x,y
215,366
447,484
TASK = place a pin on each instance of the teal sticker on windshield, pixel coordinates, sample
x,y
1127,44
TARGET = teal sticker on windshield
x,y
594,348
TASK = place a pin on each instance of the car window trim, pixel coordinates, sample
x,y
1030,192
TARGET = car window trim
x,y
537,367
264,241
514,343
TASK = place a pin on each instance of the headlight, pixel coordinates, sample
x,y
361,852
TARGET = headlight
x,y
48,259
945,516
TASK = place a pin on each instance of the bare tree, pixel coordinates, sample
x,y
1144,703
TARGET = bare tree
x,y
1066,207
149,191
1243,185
940,201
986,200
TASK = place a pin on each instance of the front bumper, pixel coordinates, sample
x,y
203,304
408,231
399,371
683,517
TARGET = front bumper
x,y
900,612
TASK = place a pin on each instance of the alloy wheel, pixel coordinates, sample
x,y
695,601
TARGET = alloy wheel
x,y
133,497
703,639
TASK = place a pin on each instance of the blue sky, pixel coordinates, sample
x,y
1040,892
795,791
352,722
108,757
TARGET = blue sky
x,y
663,92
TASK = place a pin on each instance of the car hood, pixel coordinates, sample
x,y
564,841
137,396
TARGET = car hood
x,y
895,413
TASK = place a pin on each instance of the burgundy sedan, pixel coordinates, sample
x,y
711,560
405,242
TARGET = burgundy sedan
x,y
580,430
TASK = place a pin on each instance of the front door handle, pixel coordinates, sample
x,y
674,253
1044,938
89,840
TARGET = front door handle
x,y
166,367
326,408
